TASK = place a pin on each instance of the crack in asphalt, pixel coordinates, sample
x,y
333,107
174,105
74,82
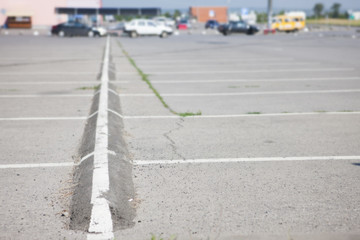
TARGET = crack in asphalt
x,y
172,142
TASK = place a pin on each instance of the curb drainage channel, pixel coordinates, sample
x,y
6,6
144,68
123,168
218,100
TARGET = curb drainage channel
x,y
119,182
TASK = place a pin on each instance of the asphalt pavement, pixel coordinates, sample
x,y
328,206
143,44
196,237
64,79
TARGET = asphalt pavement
x,y
269,147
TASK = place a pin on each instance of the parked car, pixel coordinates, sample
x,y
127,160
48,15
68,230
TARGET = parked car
x,y
77,29
183,24
237,27
213,24
164,21
145,27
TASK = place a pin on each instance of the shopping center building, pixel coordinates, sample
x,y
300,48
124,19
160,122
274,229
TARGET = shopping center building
x,y
38,13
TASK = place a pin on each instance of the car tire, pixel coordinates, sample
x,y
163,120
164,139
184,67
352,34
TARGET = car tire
x,y
164,35
90,34
133,34
61,33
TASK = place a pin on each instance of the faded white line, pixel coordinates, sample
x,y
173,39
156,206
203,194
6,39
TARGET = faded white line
x,y
45,95
257,80
101,226
239,93
237,160
247,71
230,64
243,115
51,83
36,165
42,118
48,73
216,60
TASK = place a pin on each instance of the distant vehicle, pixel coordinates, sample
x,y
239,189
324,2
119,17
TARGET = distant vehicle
x,y
183,24
164,21
76,29
144,27
237,27
285,23
213,24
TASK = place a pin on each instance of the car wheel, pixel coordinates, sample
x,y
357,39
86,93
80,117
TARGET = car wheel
x,y
133,34
90,34
61,33
163,35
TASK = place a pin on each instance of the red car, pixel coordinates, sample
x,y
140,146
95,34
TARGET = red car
x,y
183,24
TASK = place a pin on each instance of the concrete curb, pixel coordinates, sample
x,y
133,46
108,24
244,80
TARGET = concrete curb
x,y
121,192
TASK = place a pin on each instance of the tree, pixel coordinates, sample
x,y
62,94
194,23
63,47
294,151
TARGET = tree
x,y
318,8
177,13
335,10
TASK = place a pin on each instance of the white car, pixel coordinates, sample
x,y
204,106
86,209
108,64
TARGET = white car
x,y
164,21
145,27
101,31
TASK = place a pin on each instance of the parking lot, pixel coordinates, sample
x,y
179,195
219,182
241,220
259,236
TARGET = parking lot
x,y
269,147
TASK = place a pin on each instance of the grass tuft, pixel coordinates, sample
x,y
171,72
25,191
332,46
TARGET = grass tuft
x,y
97,87
188,114
145,78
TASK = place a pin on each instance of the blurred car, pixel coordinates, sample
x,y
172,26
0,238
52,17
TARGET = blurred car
x,y
77,29
237,27
116,30
164,21
213,24
99,31
183,24
143,27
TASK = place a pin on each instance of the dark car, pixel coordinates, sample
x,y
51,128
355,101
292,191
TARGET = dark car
x,y
237,27
212,24
73,29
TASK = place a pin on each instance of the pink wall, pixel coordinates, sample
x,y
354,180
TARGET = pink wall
x,y
43,11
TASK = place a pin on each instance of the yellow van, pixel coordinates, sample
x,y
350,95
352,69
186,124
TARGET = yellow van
x,y
284,23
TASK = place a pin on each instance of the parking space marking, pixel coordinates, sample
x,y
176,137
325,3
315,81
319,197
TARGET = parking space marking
x,y
45,95
249,71
47,73
257,80
238,93
36,165
101,226
237,160
239,115
53,83
230,65
216,60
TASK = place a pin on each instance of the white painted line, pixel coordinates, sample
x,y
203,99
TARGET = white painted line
x,y
116,113
47,73
42,118
257,80
229,64
237,160
212,60
46,95
248,71
101,225
239,93
52,83
36,165
113,91
242,115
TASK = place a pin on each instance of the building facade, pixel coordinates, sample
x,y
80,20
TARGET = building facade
x,y
41,12
203,14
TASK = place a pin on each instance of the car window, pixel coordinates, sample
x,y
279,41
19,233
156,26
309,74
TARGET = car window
x,y
287,20
241,24
141,23
151,24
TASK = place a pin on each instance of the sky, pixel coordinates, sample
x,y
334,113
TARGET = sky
x,y
278,4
